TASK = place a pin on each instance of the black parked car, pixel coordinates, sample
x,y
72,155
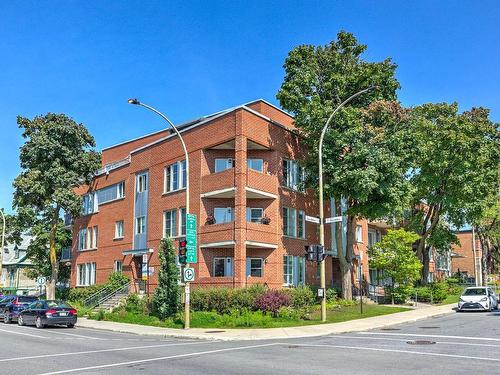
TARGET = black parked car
x,y
48,313
12,308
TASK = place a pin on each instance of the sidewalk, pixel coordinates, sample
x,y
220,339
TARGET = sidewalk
x,y
273,333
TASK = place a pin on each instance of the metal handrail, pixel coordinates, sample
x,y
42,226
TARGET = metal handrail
x,y
103,295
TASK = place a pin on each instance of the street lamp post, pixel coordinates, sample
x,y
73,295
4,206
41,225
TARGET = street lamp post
x,y
321,209
1,249
186,155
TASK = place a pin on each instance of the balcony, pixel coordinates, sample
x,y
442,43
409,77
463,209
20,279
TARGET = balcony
x,y
218,185
261,185
66,254
68,220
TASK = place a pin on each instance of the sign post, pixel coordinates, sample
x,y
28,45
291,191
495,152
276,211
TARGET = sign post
x,y
191,257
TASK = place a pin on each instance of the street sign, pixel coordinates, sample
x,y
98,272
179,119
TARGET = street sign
x,y
191,246
188,274
144,258
312,219
40,280
334,219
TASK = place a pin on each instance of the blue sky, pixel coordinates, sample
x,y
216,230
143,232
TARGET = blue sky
x,y
189,58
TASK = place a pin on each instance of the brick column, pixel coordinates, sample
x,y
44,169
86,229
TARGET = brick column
x,y
240,223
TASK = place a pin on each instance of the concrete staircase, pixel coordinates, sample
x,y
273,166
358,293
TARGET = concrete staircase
x,y
111,303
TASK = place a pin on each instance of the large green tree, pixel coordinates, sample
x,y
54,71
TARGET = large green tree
x,y
455,170
58,155
365,152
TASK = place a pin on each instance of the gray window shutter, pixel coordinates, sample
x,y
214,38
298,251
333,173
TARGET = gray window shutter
x,y
248,267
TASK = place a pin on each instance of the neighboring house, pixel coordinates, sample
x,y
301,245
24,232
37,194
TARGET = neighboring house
x,y
462,259
245,189
15,264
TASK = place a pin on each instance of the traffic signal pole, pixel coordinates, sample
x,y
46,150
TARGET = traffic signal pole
x,y
186,155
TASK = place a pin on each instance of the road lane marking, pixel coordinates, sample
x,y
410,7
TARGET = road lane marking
x,y
433,336
96,351
128,363
23,334
69,334
400,351
405,340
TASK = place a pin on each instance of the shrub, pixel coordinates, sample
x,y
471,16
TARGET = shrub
x,y
400,294
135,304
452,281
300,297
81,294
100,315
291,313
272,301
439,291
222,300
332,294
422,294
117,279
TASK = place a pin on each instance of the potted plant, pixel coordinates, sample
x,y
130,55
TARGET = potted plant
x,y
265,220
210,220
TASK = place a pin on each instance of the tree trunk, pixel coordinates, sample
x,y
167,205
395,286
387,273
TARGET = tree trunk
x,y
51,285
346,261
422,250
426,265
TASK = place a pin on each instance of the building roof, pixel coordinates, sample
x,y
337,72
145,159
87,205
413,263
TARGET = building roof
x,y
17,254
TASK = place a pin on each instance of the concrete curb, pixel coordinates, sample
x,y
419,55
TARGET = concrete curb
x,y
356,325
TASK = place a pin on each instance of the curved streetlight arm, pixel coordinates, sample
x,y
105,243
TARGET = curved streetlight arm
x,y
137,102
321,208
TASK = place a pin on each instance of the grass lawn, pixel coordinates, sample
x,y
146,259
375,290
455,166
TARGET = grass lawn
x,y
451,298
254,319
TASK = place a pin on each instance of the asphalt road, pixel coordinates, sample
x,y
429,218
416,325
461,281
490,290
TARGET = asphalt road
x,y
462,343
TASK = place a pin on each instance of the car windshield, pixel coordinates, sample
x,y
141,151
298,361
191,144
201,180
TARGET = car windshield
x,y
475,292
60,304
25,299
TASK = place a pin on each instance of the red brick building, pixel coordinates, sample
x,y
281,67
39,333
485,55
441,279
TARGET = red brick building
x,y
462,257
244,189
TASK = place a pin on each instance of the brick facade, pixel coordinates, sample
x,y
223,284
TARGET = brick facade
x,y
256,130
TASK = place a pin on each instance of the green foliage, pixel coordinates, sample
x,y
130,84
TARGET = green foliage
x,y
80,294
301,297
117,279
394,255
135,304
100,315
433,292
223,300
399,294
332,294
167,296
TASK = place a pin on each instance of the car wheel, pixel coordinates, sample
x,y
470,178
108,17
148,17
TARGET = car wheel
x,y
38,323
7,319
20,320
70,325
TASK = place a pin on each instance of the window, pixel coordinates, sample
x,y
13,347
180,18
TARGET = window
x,y
359,233
289,222
90,204
255,214
301,224
182,221
170,223
119,229
82,239
223,164
120,190
256,164
254,267
175,177
140,225
94,239
118,266
86,274
293,175
142,183
223,215
223,267
294,270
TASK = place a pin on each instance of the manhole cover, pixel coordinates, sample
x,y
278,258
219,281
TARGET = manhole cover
x,y
429,327
214,331
292,346
421,342
390,329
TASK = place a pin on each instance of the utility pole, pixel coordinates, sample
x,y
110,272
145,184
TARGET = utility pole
x,y
186,155
1,249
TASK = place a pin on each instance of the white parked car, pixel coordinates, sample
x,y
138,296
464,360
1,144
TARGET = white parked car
x,y
478,298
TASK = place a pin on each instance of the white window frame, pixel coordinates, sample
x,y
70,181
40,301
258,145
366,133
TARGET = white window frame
x,y
90,204
251,166
168,180
118,266
119,229
142,182
120,190
287,270
140,225
359,233
250,218
249,267
296,275
82,239
301,222
228,214
182,221
291,222
87,271
229,163
172,231
293,175
226,261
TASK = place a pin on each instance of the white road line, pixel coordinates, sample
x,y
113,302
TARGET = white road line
x,y
405,340
61,333
159,359
433,336
401,351
23,334
97,351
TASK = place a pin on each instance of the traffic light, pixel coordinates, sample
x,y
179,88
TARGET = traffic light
x,y
182,251
310,253
315,253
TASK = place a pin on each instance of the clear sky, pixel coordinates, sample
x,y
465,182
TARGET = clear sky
x,y
190,58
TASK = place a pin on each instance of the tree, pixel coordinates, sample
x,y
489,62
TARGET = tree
x,y
365,151
166,299
455,170
394,256
488,231
57,156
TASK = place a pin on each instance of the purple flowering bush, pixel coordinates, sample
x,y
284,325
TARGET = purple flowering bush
x,y
271,301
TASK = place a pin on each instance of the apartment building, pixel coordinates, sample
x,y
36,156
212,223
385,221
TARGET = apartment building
x,y
245,189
